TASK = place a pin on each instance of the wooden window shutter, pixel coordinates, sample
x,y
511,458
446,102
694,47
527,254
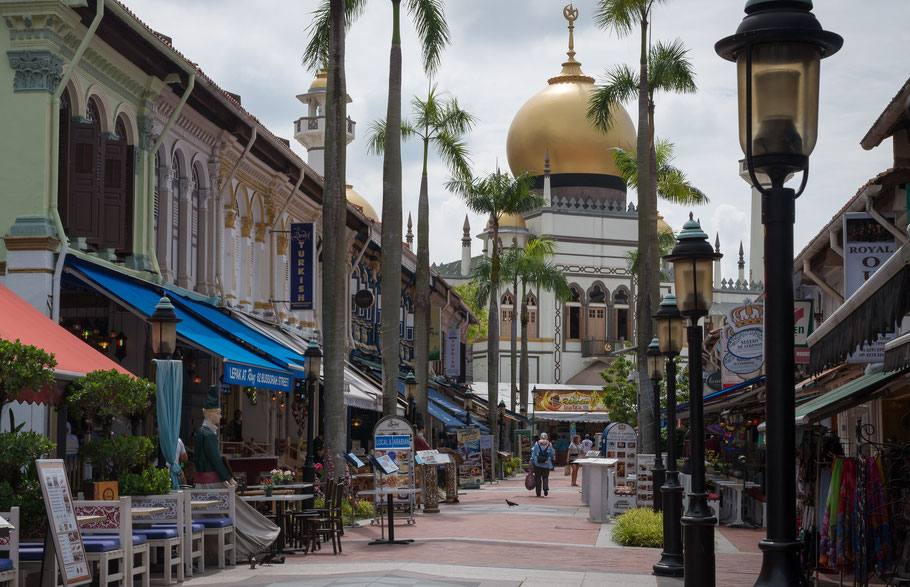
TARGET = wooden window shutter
x,y
115,217
84,197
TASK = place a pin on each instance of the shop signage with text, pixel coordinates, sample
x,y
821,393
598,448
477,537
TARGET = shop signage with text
x,y
568,401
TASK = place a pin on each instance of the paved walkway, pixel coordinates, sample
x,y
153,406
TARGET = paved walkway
x,y
484,542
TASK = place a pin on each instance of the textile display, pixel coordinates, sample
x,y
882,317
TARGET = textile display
x,y
169,384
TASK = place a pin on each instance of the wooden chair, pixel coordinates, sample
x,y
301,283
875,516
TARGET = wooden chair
x,y
329,525
162,531
218,520
9,566
110,541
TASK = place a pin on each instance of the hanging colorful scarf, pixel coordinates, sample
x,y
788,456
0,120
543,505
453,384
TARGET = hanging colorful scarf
x,y
826,547
880,548
845,555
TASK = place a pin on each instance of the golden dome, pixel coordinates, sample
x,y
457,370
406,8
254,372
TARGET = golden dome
x,y
321,80
358,200
556,118
510,220
662,226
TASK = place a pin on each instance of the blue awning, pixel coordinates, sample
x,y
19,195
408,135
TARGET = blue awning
x,y
435,401
443,416
724,392
241,366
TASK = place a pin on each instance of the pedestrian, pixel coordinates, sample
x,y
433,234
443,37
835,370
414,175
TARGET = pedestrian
x,y
586,444
575,452
542,460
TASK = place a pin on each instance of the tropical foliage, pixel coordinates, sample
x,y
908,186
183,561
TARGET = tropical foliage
x,y
150,481
639,527
468,292
113,457
620,391
23,367
102,397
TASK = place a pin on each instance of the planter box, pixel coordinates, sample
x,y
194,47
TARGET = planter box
x,y
101,490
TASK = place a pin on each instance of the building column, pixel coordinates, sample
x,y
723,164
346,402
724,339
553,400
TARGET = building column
x,y
244,273
163,234
260,270
184,236
205,266
230,257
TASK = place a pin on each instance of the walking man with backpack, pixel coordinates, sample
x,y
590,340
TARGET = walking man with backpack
x,y
542,459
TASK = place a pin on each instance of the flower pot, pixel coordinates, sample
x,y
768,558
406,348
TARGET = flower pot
x,y
268,491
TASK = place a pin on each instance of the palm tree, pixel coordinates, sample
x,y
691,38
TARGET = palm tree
x,y
495,195
431,26
326,50
439,121
663,68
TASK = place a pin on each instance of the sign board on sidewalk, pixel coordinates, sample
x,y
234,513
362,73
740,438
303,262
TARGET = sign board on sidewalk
x,y
645,479
393,442
470,471
486,454
67,540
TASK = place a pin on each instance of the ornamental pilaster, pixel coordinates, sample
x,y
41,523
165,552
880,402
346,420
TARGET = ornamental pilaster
x,y
281,246
204,195
260,232
186,187
37,70
230,217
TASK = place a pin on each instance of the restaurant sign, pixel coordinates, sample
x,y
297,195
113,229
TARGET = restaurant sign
x,y
259,377
303,266
575,400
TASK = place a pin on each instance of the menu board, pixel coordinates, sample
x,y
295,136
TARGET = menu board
x,y
523,440
431,457
58,502
486,454
646,487
393,442
620,442
470,473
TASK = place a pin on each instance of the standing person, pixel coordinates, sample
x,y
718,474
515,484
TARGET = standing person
x,y
235,430
575,452
586,444
542,460
254,532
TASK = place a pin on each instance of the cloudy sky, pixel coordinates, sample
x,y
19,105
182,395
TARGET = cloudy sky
x,y
502,53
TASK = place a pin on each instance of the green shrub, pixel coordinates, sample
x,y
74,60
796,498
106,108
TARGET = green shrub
x,y
27,497
364,509
639,527
114,457
18,451
23,366
150,482
103,396
319,502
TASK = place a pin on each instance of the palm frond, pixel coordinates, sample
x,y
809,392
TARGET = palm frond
x,y
454,154
376,135
674,186
620,16
627,163
454,120
669,68
316,52
430,23
620,85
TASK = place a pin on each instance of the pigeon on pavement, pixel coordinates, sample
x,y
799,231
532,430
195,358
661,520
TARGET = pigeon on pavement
x,y
511,503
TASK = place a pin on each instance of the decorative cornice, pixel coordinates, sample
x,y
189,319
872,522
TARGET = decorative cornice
x,y
593,270
31,243
146,125
41,24
246,227
105,71
36,70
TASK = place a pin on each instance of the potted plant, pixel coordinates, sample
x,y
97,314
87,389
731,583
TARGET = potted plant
x,y
268,485
280,477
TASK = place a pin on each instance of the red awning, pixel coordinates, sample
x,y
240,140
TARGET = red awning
x,y
19,320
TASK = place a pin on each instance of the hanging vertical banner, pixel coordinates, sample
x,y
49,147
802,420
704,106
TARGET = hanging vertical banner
x,y
453,352
867,245
435,333
303,266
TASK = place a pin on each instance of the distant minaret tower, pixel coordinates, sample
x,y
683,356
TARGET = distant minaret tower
x,y
466,248
309,130
546,179
717,276
409,237
742,263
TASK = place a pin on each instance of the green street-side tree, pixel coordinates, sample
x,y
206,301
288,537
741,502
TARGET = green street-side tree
x,y
468,292
494,196
620,393
101,397
439,122
22,367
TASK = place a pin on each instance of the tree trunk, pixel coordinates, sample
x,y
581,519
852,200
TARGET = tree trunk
x,y
647,252
422,297
493,342
513,334
523,372
334,210
390,281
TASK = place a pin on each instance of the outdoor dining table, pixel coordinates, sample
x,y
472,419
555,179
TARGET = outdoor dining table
x,y
146,512
281,501
83,520
390,492
284,486
737,486
204,503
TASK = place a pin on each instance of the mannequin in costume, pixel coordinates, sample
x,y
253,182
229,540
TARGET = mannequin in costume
x,y
254,531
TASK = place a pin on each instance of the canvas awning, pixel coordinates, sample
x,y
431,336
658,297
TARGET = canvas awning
x,y
19,320
874,309
572,416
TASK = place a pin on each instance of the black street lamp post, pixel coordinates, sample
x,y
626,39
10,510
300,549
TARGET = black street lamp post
x,y
693,273
164,329
656,372
313,355
778,48
468,406
410,392
670,338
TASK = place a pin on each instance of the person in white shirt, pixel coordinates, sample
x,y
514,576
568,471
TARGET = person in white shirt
x,y
587,444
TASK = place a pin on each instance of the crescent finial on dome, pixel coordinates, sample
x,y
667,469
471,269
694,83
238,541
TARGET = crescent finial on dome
x,y
571,69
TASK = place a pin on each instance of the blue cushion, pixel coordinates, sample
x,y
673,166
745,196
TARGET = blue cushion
x,y
156,533
195,527
6,564
213,522
101,544
31,553
137,538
